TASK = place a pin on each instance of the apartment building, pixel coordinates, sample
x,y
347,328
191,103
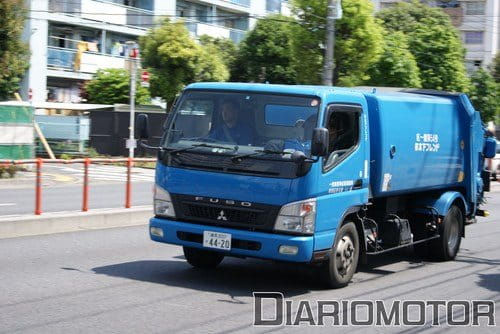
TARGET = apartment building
x,y
478,22
70,40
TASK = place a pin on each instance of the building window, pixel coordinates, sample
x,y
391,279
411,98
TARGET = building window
x,y
472,66
273,6
475,8
473,37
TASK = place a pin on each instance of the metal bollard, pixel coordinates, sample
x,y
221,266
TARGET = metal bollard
x,y
38,187
85,197
128,189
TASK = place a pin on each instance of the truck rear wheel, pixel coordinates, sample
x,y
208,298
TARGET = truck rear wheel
x,y
200,258
341,265
446,247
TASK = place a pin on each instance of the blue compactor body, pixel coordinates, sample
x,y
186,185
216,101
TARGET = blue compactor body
x,y
318,175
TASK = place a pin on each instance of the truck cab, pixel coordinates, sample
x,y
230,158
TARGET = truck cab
x,y
284,173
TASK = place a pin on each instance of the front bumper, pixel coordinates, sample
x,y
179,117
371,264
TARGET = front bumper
x,y
244,243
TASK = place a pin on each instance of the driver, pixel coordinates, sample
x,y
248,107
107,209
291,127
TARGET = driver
x,y
232,129
340,136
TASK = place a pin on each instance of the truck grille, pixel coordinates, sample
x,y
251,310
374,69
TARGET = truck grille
x,y
215,213
256,216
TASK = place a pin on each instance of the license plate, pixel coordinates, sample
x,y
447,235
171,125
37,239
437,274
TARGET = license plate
x,y
217,240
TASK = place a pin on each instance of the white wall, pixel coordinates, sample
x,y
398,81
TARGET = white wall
x,y
36,34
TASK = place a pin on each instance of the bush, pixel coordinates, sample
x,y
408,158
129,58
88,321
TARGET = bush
x,y
8,171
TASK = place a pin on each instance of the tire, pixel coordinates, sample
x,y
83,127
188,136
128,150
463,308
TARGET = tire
x,y
337,271
200,258
446,247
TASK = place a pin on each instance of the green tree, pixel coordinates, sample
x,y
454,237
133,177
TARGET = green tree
x,y
495,68
14,54
176,60
265,53
224,47
397,66
434,43
485,95
358,39
112,85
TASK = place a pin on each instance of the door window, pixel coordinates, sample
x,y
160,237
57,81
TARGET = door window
x,y
343,127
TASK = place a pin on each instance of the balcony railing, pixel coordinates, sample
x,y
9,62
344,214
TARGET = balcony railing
x,y
90,62
60,58
244,3
96,10
236,35
197,28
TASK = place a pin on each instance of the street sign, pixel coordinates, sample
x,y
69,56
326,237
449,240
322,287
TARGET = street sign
x,y
337,9
131,143
145,79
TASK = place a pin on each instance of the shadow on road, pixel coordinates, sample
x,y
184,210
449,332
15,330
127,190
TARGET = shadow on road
x,y
234,277
240,278
490,282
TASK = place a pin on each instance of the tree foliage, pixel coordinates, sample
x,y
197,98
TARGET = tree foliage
x,y
495,68
485,95
433,41
224,47
265,53
358,39
176,60
14,54
112,85
397,66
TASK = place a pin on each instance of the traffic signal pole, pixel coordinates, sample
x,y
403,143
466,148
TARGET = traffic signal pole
x,y
133,53
330,44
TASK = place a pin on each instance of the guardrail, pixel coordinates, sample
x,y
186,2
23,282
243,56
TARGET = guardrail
x,y
129,162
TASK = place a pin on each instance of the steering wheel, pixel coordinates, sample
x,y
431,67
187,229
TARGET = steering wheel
x,y
334,156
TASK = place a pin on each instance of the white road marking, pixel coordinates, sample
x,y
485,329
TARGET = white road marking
x,y
7,204
109,173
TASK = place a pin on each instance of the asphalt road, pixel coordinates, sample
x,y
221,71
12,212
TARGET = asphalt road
x,y
118,281
15,201
62,189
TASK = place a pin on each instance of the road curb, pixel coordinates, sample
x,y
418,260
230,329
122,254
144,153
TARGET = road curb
x,y
58,222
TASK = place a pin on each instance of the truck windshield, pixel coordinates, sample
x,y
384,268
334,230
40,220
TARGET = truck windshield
x,y
242,124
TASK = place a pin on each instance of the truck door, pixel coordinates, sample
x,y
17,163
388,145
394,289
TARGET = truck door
x,y
345,169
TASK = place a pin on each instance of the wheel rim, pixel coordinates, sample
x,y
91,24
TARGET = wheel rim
x,y
453,236
344,255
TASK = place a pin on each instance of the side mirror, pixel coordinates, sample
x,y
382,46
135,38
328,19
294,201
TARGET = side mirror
x,y
142,126
320,141
490,147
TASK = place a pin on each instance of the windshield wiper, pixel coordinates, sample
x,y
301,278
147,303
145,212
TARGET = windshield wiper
x,y
184,149
238,158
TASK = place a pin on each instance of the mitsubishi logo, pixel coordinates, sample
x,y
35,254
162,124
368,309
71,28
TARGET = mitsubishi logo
x,y
222,216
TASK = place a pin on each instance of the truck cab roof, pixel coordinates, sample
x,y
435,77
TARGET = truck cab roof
x,y
379,93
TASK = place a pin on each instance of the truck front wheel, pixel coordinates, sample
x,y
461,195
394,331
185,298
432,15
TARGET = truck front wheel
x,y
446,247
341,265
200,258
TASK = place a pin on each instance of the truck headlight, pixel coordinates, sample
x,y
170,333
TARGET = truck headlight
x,y
297,217
163,203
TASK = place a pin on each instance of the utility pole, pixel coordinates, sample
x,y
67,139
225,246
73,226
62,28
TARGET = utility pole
x,y
132,52
334,12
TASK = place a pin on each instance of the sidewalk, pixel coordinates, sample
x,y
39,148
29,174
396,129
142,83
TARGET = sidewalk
x,y
57,222
495,186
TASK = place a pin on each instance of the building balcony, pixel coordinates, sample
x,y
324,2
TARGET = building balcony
x,y
112,12
63,59
200,28
243,3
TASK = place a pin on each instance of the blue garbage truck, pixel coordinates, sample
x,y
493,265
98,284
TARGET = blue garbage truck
x,y
320,175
